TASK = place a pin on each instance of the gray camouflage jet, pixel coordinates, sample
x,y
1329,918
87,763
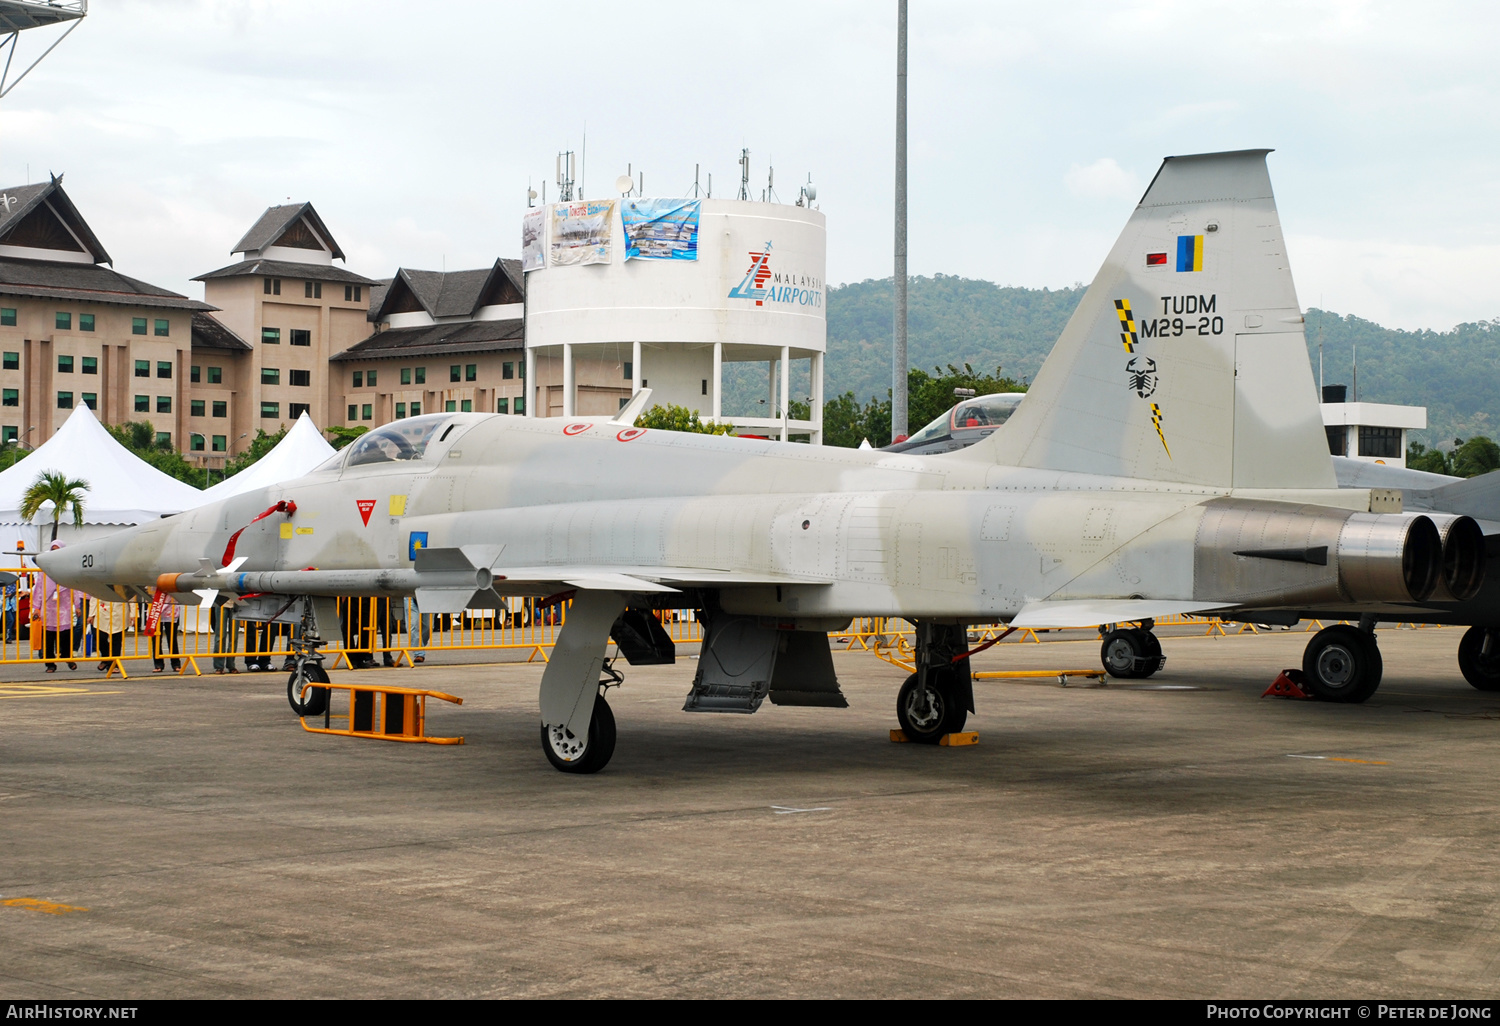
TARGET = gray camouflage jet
x,y
1169,458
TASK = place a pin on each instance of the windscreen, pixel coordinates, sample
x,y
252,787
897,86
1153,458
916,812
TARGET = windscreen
x,y
402,440
932,432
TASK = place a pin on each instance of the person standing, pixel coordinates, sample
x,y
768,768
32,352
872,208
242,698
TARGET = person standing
x,y
61,610
257,646
10,611
226,635
419,630
166,635
109,620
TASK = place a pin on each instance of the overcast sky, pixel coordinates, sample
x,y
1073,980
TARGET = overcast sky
x,y
415,127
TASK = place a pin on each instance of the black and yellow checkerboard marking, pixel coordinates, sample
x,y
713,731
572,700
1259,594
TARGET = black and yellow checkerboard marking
x,y
1156,423
1127,324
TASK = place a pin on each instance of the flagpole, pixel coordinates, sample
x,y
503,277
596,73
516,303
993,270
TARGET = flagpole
x,y
898,347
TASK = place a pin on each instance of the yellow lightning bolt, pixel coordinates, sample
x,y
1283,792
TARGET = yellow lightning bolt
x,y
1156,423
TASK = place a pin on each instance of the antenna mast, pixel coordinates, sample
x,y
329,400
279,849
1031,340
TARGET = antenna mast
x,y
744,175
565,176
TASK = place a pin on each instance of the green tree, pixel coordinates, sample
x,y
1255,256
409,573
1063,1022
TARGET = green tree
x,y
342,436
139,438
11,454
262,444
1479,455
846,423
679,418
1419,457
50,486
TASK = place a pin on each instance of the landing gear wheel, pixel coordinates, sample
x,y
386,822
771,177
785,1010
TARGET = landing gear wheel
x,y
316,703
926,717
589,754
1154,659
1130,654
1480,670
1342,664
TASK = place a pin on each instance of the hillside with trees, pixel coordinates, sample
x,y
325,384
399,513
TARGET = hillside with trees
x,y
957,321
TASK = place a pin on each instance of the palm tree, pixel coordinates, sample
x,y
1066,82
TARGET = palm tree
x,y
50,486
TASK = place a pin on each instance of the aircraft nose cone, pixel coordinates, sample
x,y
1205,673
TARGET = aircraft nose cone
x,y
64,565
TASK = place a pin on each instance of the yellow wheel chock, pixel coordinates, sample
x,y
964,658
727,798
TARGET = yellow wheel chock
x,y
380,711
960,740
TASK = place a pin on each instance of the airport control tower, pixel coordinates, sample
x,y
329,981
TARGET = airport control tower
x,y
630,292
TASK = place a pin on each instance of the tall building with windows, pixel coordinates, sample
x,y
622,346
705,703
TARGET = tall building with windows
x,y
283,310
75,332
443,341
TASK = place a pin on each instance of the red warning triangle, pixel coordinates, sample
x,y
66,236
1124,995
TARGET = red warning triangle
x,y
366,506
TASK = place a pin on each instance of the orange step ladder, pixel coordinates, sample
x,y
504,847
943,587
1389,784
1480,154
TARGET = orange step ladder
x,y
382,712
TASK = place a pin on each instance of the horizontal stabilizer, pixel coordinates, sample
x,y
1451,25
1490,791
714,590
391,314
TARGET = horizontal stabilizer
x,y
1475,497
1093,612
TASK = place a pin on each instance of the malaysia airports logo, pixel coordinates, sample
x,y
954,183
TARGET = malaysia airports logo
x,y
765,285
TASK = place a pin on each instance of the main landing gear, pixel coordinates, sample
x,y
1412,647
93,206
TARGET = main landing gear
x,y
938,698
1342,663
1131,653
1479,657
592,752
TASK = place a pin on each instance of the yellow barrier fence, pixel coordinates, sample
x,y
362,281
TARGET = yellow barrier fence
x,y
49,625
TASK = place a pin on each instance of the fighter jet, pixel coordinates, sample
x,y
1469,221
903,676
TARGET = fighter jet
x,y
1478,649
1169,458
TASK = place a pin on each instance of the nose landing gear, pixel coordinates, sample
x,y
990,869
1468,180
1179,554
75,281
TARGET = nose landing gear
x,y
307,667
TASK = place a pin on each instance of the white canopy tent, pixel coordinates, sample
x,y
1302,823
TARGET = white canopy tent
x,y
303,448
123,488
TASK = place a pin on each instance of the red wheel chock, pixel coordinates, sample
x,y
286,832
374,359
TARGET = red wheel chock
x,y
1288,684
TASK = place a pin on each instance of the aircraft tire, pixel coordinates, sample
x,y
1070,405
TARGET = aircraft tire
x,y
1342,664
1483,673
1154,658
945,714
562,748
1123,651
317,698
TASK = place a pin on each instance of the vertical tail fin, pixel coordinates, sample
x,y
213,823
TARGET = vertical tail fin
x,y
1185,362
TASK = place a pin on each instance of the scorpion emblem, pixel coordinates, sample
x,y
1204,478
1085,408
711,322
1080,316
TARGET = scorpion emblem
x,y
1141,372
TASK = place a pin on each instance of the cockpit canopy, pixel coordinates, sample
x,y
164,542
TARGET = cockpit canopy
x,y
405,439
984,411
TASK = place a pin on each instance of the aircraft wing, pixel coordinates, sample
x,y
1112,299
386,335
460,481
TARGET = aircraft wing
x,y
635,578
1092,612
